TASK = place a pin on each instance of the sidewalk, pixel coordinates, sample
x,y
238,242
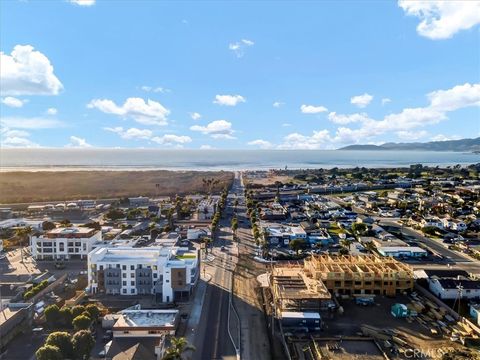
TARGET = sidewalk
x,y
197,306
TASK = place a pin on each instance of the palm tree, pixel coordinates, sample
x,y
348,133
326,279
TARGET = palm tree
x,y
177,348
23,234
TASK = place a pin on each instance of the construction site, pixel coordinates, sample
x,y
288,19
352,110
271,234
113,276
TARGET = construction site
x,y
347,274
401,320
293,290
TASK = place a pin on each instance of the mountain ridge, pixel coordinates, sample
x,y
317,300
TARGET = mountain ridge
x,y
470,145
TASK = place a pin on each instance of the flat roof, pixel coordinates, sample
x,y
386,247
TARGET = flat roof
x,y
401,248
300,315
146,318
71,230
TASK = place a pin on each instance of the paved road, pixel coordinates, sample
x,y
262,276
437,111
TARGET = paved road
x,y
214,340
455,259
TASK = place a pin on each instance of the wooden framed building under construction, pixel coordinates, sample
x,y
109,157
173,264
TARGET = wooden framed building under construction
x,y
347,274
294,291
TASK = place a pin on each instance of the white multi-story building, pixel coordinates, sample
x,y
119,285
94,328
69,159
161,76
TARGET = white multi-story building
x,y
206,209
170,273
65,243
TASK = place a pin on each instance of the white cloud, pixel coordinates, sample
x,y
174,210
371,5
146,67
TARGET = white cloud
x,y
13,102
441,137
18,142
361,100
312,109
195,116
218,129
411,135
206,147
263,144
346,119
77,142
83,2
145,134
14,133
15,138
441,19
286,124
386,101
52,111
157,89
277,104
132,133
458,97
170,139
27,72
239,47
147,113
30,123
228,100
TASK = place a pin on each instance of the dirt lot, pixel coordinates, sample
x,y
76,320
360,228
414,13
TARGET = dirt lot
x,y
271,179
25,186
379,316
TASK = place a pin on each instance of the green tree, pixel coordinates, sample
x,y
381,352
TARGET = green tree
x,y
66,316
81,322
52,315
177,349
93,310
297,244
83,343
77,310
48,225
23,235
63,342
115,214
234,226
359,228
48,352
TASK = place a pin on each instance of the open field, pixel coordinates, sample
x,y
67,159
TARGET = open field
x,y
26,186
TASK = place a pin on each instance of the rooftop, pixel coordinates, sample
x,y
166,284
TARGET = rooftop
x,y
146,318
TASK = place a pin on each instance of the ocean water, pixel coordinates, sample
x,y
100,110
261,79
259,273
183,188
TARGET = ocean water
x,y
148,159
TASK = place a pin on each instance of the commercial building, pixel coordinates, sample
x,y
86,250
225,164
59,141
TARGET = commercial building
x,y
138,322
347,274
454,288
402,251
14,319
281,235
169,273
65,243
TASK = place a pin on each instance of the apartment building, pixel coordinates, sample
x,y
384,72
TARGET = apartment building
x,y
349,274
65,243
206,209
170,273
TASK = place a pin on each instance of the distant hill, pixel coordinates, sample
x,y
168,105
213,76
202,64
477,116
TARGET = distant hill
x,y
470,145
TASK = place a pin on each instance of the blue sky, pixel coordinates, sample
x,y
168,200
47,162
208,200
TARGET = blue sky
x,y
279,75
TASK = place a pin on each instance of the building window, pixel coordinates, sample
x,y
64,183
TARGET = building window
x,y
124,267
101,267
132,275
132,267
132,291
132,283
155,275
124,283
118,266
124,291
124,275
